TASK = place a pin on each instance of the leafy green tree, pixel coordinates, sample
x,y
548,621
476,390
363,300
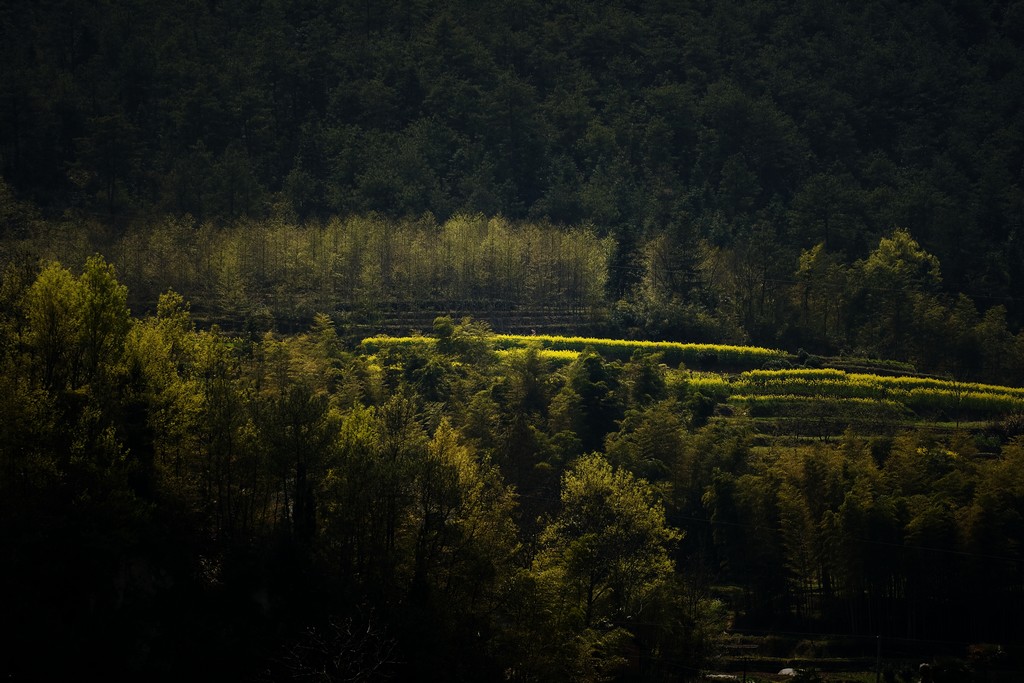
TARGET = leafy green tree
x,y
810,492
821,284
521,401
600,560
68,469
230,465
589,402
465,533
168,355
29,412
105,319
682,627
743,513
896,280
53,314
351,533
650,440
462,542
75,340
608,548
469,341
867,532
367,493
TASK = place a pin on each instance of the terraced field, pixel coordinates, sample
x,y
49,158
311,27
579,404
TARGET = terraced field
x,y
778,398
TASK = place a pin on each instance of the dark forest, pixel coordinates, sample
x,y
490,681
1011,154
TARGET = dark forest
x,y
214,462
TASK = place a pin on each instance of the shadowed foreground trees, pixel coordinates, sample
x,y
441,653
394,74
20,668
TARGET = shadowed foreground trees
x,y
163,485
182,503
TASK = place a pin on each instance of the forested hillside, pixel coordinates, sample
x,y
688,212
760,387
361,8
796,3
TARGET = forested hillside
x,y
179,503
759,264
733,152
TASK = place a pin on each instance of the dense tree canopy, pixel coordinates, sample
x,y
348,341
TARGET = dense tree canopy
x,y
842,181
811,124
781,173
179,501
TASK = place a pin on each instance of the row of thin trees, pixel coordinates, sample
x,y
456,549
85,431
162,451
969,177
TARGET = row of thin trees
x,y
280,269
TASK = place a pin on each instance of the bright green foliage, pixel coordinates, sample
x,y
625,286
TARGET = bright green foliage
x,y
924,395
900,262
359,489
74,338
364,264
374,344
105,317
466,537
649,441
602,557
589,402
709,384
673,353
468,341
53,315
76,327
894,290
607,549
560,357
172,358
